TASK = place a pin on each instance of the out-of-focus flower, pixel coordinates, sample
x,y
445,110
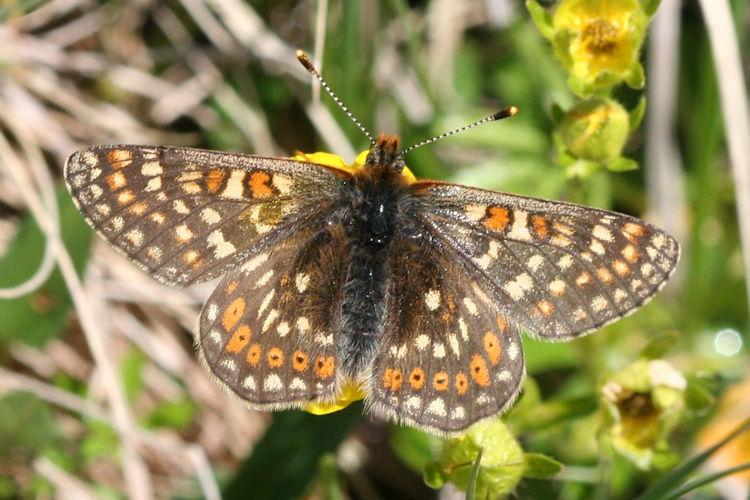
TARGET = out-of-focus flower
x,y
594,130
503,462
598,41
645,400
335,161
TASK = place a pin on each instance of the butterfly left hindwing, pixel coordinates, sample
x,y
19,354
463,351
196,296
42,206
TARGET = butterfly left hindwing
x,y
270,331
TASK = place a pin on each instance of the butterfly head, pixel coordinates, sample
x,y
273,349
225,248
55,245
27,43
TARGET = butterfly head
x,y
385,153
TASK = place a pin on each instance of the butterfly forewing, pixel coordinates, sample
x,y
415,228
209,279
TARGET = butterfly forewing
x,y
189,215
268,331
448,355
558,270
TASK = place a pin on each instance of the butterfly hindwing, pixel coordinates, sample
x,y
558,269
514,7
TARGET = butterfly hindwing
x,y
448,356
268,331
557,269
188,215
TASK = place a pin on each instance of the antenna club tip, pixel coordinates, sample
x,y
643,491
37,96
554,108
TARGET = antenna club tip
x,y
304,59
512,110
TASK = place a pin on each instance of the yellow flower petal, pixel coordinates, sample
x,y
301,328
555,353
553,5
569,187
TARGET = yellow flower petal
x,y
352,392
332,160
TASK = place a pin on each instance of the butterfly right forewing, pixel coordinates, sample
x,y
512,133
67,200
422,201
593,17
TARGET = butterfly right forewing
x,y
557,269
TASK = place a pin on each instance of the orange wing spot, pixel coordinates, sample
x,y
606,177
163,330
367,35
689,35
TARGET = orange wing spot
x,y
631,254
479,371
231,287
501,323
275,357
138,208
498,219
416,378
119,158
191,257
621,268
259,185
299,361
125,197
441,381
539,224
543,308
239,339
451,303
233,313
253,354
604,275
214,180
285,279
583,279
116,181
462,383
492,347
393,379
634,229
324,367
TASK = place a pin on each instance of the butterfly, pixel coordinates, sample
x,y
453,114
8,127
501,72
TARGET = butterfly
x,y
414,291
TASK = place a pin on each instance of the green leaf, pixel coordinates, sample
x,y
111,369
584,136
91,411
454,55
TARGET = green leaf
x,y
412,446
27,426
285,461
650,6
636,78
671,481
541,18
329,478
471,490
622,164
40,316
659,345
636,115
173,414
697,397
433,476
540,466
706,480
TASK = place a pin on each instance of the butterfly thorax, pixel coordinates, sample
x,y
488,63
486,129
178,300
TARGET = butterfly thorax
x,y
374,211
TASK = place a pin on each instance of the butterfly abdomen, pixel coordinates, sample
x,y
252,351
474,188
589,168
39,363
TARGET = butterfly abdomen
x,y
371,218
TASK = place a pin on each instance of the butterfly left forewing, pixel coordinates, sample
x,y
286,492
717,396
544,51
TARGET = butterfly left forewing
x,y
188,215
448,356
558,269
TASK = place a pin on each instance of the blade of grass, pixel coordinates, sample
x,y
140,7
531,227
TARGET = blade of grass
x,y
669,483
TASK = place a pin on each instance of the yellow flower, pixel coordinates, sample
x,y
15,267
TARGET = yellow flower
x,y
351,391
335,161
599,41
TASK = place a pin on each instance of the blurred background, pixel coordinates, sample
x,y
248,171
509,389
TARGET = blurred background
x,y
101,395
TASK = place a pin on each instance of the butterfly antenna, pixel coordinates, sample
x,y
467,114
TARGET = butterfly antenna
x,y
505,113
307,63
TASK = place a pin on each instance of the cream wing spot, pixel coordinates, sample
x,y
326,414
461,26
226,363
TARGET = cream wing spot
x,y
301,281
253,263
222,248
266,301
210,216
234,188
272,383
152,168
303,324
519,230
470,306
432,299
422,341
